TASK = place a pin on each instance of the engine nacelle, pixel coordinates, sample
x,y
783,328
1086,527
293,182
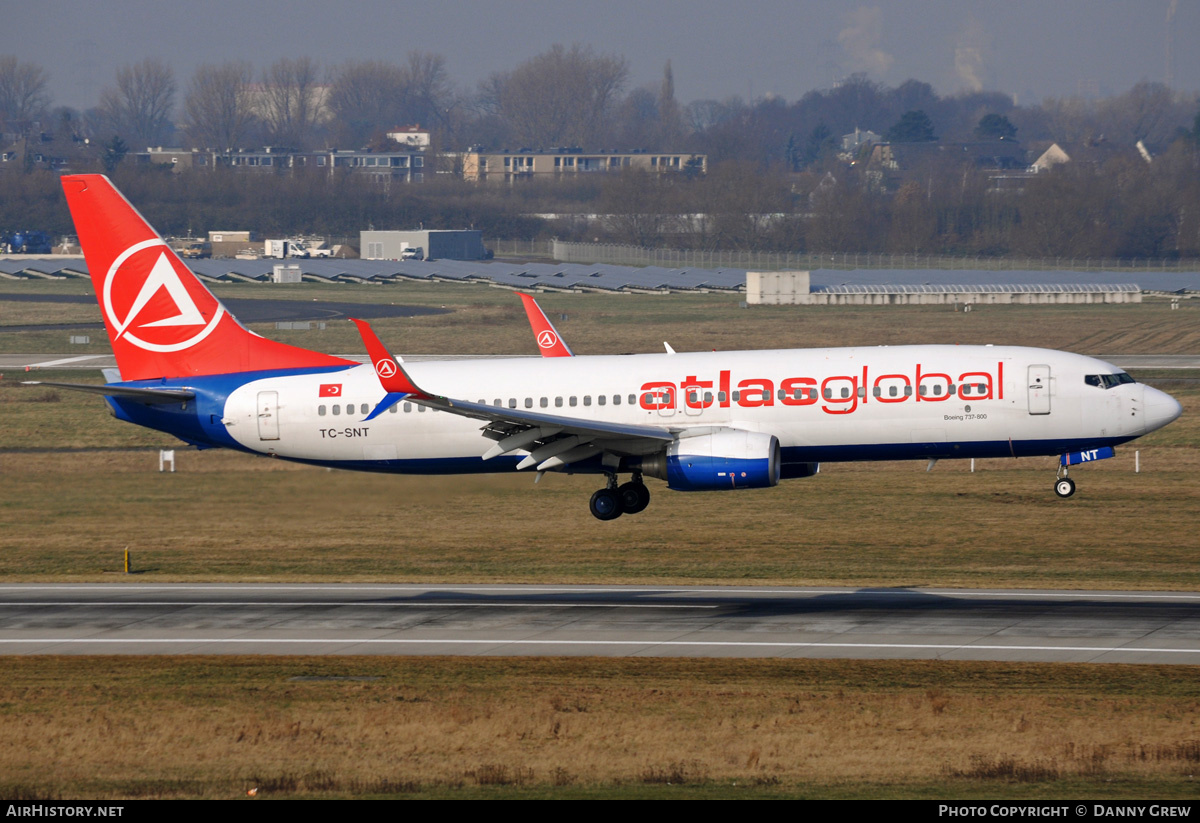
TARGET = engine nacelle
x,y
729,459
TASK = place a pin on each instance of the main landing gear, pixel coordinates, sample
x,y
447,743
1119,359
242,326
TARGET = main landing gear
x,y
1064,486
613,501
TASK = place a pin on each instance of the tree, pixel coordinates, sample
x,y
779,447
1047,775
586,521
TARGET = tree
x,y
22,90
558,98
995,127
366,97
219,110
913,127
140,105
114,153
291,104
218,107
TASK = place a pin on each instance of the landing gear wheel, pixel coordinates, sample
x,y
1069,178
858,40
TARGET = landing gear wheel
x,y
606,505
635,497
1064,487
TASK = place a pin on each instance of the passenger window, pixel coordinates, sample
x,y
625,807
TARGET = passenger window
x,y
862,391
337,409
498,402
407,408
616,399
558,402
845,393
574,401
892,392
922,390
529,402
828,394
633,399
721,397
601,399
421,409
587,400
321,411
937,390
512,402
392,409
365,409
908,391
737,396
544,402
708,397
878,392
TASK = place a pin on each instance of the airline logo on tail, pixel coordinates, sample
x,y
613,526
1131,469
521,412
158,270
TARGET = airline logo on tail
x,y
547,339
149,304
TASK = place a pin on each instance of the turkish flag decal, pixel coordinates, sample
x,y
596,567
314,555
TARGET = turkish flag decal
x,y
330,390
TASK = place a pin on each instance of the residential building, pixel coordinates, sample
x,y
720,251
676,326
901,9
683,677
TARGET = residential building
x,y
511,165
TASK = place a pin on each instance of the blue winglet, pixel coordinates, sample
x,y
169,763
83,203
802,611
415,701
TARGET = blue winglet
x,y
390,399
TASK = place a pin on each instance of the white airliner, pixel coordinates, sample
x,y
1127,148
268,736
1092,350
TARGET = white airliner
x,y
703,421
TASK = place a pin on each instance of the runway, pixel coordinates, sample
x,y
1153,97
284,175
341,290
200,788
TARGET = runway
x,y
616,621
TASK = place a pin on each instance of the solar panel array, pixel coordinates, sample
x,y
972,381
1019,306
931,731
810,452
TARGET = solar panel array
x,y
982,288
606,277
567,276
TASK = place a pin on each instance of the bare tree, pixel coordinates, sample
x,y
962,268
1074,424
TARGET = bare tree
x,y
219,106
365,98
429,92
22,90
139,106
292,102
560,97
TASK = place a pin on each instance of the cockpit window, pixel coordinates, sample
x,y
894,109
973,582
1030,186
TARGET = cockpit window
x,y
1107,381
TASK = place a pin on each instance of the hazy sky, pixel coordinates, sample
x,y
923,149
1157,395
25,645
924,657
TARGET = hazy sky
x,y
717,48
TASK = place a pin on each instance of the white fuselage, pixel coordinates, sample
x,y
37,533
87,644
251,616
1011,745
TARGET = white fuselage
x,y
822,404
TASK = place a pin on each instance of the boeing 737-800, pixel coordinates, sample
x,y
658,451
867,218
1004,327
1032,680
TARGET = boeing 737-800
x,y
702,421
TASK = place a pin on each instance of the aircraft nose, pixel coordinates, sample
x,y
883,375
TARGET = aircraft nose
x,y
1161,409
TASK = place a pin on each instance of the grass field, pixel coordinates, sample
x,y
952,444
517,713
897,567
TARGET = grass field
x,y
580,728
77,487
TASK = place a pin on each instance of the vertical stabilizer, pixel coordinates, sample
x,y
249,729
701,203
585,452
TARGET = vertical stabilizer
x,y
161,320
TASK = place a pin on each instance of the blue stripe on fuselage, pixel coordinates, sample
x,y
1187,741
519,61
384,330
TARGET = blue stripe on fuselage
x,y
198,421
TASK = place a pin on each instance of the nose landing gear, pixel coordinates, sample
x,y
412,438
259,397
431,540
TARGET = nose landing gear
x,y
612,501
1064,486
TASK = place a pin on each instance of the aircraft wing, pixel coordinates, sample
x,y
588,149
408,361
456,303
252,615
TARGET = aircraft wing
x,y
152,396
551,440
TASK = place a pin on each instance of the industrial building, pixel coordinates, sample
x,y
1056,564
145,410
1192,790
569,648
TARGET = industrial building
x,y
450,244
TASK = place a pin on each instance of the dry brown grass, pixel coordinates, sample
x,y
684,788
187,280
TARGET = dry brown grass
x,y
108,727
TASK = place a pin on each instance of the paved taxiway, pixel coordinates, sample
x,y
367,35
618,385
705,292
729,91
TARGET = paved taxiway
x,y
951,624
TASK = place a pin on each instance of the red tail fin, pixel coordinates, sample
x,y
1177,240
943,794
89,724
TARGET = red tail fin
x,y
549,343
161,320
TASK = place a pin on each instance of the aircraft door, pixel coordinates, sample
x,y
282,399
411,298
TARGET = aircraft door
x,y
1039,389
268,415
666,401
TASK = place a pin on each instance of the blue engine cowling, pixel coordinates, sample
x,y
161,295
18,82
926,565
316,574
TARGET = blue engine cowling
x,y
728,459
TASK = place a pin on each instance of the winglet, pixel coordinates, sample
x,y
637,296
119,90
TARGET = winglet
x,y
391,374
550,344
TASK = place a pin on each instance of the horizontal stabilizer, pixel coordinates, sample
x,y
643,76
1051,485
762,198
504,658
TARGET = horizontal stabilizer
x,y
132,392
